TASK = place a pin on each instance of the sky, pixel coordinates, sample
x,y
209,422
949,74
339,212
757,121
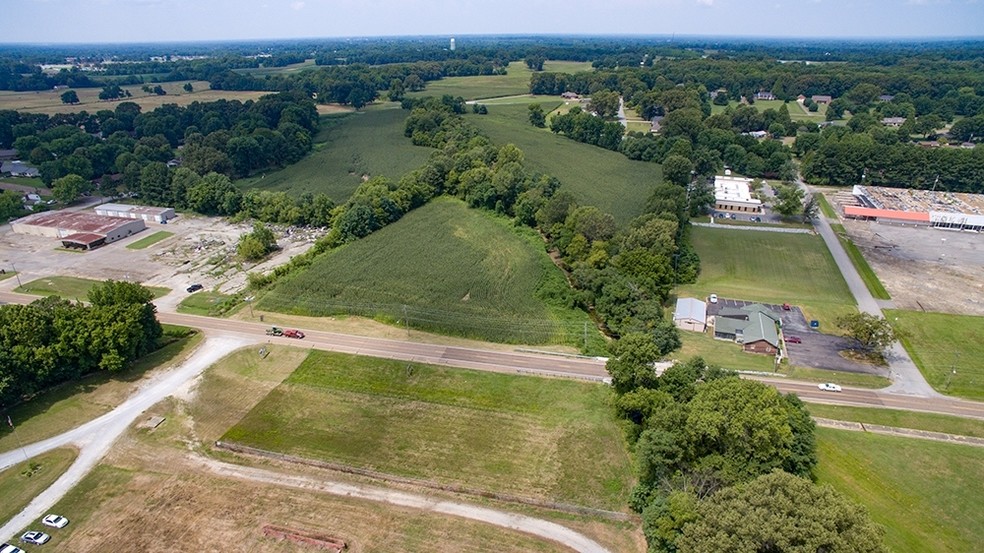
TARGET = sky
x,y
100,21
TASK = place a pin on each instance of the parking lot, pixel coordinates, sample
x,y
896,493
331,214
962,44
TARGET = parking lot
x,y
816,349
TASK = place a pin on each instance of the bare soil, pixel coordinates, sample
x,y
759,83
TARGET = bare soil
x,y
925,269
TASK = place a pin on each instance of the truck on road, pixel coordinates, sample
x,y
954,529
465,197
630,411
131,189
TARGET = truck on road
x,y
288,332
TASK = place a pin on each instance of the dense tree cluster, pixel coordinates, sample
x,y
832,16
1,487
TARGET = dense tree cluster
x,y
707,442
11,205
54,340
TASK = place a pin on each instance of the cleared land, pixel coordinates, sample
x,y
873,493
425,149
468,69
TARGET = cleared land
x,y
539,438
926,494
444,267
947,348
148,241
602,178
770,267
71,287
349,149
21,482
49,101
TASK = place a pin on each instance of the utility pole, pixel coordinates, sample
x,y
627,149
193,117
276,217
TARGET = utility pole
x,y
16,275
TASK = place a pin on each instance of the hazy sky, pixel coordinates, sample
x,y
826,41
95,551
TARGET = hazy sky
x,y
180,20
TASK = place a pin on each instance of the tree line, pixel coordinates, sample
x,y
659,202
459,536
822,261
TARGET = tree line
x,y
726,464
54,340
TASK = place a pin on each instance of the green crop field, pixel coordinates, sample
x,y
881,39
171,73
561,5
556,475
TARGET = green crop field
x,y
446,268
770,267
348,148
515,81
71,287
947,348
926,494
547,439
602,178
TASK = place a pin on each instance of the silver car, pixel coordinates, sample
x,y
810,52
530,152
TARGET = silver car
x,y
35,538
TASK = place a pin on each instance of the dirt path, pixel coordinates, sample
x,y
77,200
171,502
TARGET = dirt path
x,y
537,527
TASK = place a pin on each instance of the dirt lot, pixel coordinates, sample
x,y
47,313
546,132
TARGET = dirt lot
x,y
924,268
202,250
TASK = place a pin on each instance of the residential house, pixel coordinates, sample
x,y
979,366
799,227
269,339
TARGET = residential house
x,y
760,335
570,96
754,326
893,121
821,99
886,97
656,124
763,95
18,169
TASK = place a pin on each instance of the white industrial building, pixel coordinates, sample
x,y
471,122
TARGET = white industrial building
x,y
734,194
77,229
156,214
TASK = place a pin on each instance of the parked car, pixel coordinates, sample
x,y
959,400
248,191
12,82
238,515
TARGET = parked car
x,y
787,307
55,521
794,340
7,548
829,387
756,219
35,538
194,288
713,298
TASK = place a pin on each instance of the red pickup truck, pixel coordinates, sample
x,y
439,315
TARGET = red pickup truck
x,y
292,333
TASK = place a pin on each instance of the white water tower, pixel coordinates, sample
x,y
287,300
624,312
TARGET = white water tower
x,y
452,44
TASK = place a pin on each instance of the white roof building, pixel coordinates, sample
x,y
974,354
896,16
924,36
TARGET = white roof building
x,y
690,314
734,194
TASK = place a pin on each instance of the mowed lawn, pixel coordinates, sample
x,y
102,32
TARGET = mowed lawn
x,y
607,180
71,288
770,267
349,148
515,81
926,494
949,349
447,268
546,439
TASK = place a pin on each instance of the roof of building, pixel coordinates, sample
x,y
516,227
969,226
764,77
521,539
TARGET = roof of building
x,y
724,325
127,208
759,308
690,308
760,327
733,312
77,221
17,167
733,189
914,216
84,238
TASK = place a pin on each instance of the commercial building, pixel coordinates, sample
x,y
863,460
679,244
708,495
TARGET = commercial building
x,y
754,326
733,194
690,314
156,214
77,229
944,210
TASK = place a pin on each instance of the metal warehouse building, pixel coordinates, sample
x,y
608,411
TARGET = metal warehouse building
x,y
156,214
944,210
78,230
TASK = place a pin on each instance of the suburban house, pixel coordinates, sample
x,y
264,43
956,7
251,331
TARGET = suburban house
x,y
655,124
821,99
893,121
886,97
763,95
754,326
690,314
570,96
18,169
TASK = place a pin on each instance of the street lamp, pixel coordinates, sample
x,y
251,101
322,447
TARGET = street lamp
x,y
17,276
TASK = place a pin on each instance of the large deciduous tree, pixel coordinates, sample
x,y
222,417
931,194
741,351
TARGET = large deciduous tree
x,y
779,512
874,334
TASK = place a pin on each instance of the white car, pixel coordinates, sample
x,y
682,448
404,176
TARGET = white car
x,y
713,298
55,521
7,548
35,538
829,387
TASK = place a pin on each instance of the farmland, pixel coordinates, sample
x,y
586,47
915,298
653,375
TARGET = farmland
x,y
602,178
540,438
442,267
49,101
947,348
515,81
926,494
349,148
772,268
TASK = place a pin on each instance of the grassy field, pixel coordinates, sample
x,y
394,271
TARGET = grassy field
x,y
202,302
947,348
21,482
69,405
926,494
49,101
598,177
796,112
825,207
264,71
148,241
868,275
860,380
515,81
931,422
348,148
446,268
770,267
71,287
541,438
